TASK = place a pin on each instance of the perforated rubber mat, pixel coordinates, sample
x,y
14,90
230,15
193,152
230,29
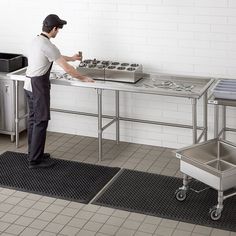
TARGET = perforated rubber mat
x,y
154,194
68,180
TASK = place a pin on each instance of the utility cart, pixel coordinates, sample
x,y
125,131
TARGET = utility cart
x,y
213,163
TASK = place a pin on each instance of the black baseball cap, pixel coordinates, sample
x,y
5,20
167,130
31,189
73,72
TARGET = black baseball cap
x,y
54,20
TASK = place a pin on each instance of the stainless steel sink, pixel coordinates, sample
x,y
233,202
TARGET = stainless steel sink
x,y
212,162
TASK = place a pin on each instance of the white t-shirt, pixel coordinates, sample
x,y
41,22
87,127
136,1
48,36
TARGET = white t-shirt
x,y
42,53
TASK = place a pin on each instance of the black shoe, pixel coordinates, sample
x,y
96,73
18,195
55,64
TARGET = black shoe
x,y
45,163
46,155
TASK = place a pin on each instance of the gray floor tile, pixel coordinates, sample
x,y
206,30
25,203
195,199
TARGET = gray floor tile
x,y
40,206
115,221
91,208
69,231
105,211
131,224
2,214
47,216
61,202
169,223
75,205
101,234
92,226
152,220
54,227
5,207
61,219
24,221
136,217
8,192
39,224
147,228
34,197
121,214
32,213
164,231
185,226
218,232
54,208
30,232
179,232
100,218
86,215
47,199
9,218
69,211
13,200
78,223
45,233
6,234
202,230
86,233
3,197
109,229
4,226
126,232
15,229
139,233
27,203
18,210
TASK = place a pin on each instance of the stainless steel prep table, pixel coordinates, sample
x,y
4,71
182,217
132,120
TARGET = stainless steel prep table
x,y
217,102
7,106
147,85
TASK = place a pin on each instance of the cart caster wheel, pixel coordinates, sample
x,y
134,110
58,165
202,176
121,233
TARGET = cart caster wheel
x,y
215,213
181,195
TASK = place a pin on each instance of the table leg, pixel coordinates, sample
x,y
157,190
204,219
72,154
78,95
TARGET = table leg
x,y
117,117
205,115
216,121
194,119
16,114
223,121
99,92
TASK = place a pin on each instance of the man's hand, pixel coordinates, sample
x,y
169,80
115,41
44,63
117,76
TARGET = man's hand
x,y
86,79
76,57
71,70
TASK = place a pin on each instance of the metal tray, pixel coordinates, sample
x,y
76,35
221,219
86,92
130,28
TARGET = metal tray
x,y
212,162
225,89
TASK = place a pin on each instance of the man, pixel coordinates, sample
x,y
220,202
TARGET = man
x,y
41,56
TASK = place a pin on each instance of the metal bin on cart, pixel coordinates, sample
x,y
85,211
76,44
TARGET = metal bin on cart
x,y
212,162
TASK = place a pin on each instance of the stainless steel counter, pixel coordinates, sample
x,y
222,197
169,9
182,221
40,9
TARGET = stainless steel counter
x,y
159,84
150,84
7,106
223,103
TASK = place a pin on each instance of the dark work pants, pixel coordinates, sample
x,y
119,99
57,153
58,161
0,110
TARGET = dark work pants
x,y
36,132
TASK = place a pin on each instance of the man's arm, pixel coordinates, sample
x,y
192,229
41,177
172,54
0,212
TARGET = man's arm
x,y
75,57
71,70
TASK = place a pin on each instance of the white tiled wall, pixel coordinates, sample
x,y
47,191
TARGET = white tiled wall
x,y
194,37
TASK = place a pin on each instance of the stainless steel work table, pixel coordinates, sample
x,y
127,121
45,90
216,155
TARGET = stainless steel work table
x,y
217,102
147,85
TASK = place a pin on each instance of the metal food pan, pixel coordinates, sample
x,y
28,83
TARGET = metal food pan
x,y
212,162
225,89
225,93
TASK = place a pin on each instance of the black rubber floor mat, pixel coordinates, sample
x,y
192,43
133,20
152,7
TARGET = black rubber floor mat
x,y
154,194
68,180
